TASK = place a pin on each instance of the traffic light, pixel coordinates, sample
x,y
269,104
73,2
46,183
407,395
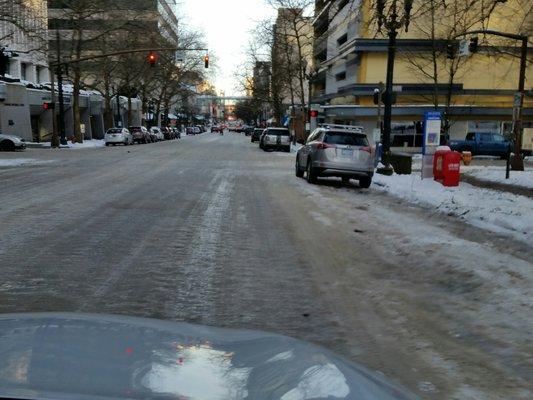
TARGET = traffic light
x,y
472,47
450,51
206,61
377,96
48,105
152,58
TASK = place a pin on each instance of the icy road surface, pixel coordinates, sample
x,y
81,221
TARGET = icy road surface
x,y
212,230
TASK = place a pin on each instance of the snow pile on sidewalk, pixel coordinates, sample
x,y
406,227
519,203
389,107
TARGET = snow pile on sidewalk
x,y
19,162
496,211
87,144
497,174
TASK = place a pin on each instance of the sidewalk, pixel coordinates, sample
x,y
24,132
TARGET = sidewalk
x,y
499,211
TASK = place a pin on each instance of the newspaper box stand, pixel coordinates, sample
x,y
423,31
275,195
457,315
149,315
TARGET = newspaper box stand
x,y
446,167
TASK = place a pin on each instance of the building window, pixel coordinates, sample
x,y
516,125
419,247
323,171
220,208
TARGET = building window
x,y
343,39
23,68
38,70
340,76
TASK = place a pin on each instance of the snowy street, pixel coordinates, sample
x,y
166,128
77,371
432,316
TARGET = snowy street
x,y
433,287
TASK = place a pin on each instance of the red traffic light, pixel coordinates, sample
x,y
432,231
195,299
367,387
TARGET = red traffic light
x,y
48,106
206,61
313,113
152,58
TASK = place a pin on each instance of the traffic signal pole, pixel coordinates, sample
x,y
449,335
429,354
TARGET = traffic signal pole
x,y
517,163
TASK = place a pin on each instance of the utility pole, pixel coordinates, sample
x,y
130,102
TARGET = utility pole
x,y
517,163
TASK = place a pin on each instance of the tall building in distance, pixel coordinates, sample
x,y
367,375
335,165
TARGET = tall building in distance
x,y
292,56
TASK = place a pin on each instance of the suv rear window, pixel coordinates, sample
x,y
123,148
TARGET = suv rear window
x,y
282,132
346,138
115,130
135,129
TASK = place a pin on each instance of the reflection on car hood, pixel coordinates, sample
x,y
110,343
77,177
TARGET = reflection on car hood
x,y
60,356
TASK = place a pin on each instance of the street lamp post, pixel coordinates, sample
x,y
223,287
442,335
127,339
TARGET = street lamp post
x,y
387,16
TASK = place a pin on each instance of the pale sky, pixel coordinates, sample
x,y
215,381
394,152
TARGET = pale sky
x,y
226,24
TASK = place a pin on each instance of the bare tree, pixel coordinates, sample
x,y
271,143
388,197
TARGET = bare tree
x,y
88,22
440,22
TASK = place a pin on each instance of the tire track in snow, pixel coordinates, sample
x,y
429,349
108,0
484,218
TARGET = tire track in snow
x,y
196,297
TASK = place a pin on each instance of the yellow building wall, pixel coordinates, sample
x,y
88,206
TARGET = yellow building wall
x,y
479,71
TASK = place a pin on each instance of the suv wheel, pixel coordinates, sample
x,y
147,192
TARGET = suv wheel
x,y
365,182
311,174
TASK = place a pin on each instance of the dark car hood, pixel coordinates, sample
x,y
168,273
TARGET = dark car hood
x,y
79,356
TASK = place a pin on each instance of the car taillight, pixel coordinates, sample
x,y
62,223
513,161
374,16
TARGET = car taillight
x,y
367,149
322,146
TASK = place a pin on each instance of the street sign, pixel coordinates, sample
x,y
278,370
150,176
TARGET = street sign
x,y
431,136
518,99
430,141
464,50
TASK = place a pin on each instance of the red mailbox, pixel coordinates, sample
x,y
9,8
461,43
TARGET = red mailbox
x,y
446,167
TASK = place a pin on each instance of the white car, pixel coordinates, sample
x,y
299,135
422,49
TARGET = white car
x,y
157,133
116,136
11,143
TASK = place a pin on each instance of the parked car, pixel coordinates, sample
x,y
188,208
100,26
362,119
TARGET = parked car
x,y
115,136
176,132
256,134
217,128
336,150
482,143
168,133
248,130
201,128
11,143
157,134
277,139
189,130
140,134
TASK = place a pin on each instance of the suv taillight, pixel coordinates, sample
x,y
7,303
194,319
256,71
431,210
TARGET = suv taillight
x,y
323,146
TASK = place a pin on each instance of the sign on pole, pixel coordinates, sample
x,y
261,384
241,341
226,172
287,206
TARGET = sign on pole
x,y
430,141
464,50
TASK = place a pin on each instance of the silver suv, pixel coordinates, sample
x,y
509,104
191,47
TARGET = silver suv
x,y
276,138
336,150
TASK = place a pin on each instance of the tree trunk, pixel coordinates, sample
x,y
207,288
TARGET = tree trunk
x,y
76,106
76,91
